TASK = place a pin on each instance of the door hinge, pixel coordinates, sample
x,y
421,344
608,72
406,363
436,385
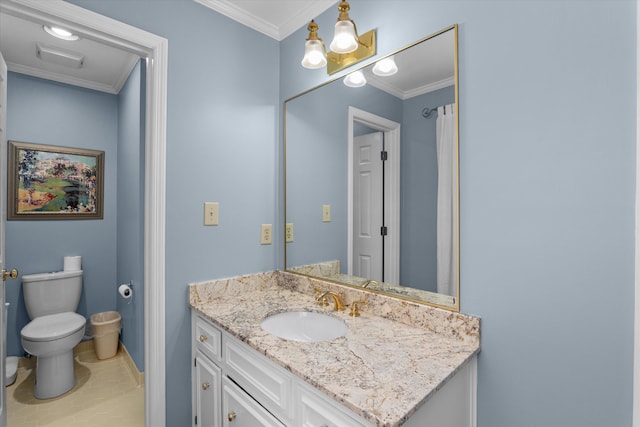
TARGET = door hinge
x,y
196,419
195,362
383,156
383,231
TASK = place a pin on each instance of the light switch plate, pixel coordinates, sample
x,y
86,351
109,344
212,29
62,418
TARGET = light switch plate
x,y
265,234
326,213
211,210
288,233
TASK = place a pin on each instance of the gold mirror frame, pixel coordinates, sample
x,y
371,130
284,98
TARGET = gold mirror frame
x,y
406,293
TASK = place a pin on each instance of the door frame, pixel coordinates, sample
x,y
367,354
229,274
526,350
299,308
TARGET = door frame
x,y
636,321
391,131
3,210
155,50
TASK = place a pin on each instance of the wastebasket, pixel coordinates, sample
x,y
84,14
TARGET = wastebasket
x,y
106,330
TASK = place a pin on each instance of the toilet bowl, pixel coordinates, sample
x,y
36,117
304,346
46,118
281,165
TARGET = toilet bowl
x,y
55,329
52,339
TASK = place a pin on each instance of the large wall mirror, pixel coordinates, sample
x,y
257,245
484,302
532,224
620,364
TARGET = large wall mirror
x,y
371,177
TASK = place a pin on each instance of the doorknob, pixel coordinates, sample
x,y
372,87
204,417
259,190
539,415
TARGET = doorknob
x,y
13,274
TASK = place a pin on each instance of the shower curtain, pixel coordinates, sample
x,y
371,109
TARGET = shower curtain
x,y
447,184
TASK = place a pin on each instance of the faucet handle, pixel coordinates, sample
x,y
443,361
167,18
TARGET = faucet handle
x,y
355,311
370,283
321,297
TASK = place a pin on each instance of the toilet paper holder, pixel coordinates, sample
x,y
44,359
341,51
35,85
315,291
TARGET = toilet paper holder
x,y
126,290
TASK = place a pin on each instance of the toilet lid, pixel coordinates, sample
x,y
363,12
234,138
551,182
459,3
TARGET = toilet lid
x,y
53,326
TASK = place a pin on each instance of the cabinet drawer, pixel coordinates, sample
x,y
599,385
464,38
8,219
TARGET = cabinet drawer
x,y
207,338
267,382
240,410
314,411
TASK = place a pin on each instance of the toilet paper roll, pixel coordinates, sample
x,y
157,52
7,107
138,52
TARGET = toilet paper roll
x,y
125,291
72,263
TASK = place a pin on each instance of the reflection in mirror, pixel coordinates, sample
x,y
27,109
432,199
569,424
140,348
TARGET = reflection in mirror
x,y
372,177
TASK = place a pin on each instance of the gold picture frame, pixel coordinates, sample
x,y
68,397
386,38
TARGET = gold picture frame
x,y
48,182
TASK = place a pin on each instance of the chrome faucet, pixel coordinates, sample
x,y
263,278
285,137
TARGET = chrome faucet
x,y
337,300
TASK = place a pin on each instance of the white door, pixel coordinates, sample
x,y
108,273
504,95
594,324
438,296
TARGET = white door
x,y
368,206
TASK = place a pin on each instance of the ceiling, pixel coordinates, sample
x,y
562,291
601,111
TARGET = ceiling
x,y
102,67
105,68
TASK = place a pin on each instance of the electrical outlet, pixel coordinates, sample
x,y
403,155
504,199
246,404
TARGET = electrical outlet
x,y
265,234
288,233
326,213
211,213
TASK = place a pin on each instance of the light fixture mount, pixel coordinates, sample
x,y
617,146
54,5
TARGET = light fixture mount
x,y
366,49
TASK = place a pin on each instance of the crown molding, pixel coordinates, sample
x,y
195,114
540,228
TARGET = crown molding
x,y
379,83
305,12
75,81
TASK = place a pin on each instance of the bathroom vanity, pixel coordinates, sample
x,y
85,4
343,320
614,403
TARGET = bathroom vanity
x,y
406,364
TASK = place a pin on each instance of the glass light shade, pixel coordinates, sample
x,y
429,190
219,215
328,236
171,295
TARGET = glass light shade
x,y
344,38
385,67
355,79
314,56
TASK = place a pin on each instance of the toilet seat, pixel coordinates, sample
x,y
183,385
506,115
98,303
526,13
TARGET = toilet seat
x,y
53,327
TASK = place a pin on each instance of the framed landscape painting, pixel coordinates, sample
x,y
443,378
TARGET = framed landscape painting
x,y
51,182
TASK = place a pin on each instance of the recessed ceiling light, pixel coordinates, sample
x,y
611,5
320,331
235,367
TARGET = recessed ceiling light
x,y
60,33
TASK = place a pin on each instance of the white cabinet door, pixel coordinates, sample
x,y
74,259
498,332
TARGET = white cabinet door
x,y
207,393
240,410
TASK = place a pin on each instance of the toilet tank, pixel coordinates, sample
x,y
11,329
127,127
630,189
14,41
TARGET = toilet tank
x,y
52,293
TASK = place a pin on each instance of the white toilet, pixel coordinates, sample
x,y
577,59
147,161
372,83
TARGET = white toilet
x,y
55,328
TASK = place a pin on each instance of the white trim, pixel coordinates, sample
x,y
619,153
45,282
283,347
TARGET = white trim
x,y
238,14
383,85
636,322
305,12
3,207
62,78
155,50
391,131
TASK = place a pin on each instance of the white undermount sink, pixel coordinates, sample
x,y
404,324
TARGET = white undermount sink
x,y
305,326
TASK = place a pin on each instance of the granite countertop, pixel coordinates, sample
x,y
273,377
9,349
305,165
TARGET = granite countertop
x,y
382,369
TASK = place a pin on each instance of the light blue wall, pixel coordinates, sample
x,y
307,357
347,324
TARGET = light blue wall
x,y
223,114
56,114
317,167
130,211
547,133
547,116
418,203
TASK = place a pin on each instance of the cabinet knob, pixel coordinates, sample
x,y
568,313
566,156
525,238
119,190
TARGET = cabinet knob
x,y
231,416
205,386
203,338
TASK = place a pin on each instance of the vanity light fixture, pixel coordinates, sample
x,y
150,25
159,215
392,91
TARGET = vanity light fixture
x,y
385,67
346,48
314,50
355,79
60,33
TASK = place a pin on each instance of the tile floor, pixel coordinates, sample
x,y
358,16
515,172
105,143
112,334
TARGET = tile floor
x,y
106,394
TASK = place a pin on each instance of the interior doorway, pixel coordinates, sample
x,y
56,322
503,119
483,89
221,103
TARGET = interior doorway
x,y
390,134
155,50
